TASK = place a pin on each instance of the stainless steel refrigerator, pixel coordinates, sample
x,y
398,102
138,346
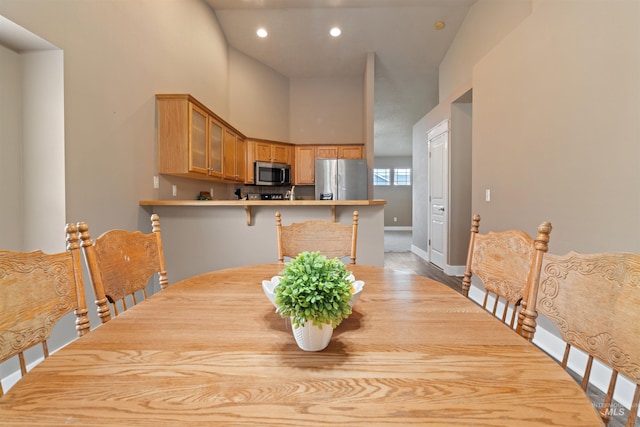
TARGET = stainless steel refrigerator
x,y
340,179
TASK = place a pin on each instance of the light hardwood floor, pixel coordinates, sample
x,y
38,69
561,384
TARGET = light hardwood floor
x,y
398,256
411,263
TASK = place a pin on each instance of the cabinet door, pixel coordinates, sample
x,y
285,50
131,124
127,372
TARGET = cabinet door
x,y
197,139
250,157
263,152
350,152
327,152
305,165
281,153
241,159
215,148
229,154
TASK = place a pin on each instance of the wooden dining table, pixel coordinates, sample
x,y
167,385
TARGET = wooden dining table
x,y
211,350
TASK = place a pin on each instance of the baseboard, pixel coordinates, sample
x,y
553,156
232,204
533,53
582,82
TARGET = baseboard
x,y
454,270
449,270
421,253
398,228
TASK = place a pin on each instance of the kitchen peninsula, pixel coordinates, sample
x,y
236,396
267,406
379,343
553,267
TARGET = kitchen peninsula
x,y
204,235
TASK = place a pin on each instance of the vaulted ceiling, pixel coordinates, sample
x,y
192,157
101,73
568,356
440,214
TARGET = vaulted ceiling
x,y
402,34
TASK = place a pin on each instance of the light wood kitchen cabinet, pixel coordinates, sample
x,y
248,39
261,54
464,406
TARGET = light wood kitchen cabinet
x,y
305,165
327,152
233,156
350,152
306,155
272,152
189,138
266,151
215,147
353,151
182,137
196,143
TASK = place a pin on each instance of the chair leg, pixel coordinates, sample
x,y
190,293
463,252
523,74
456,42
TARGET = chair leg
x,y
605,411
633,413
565,358
587,373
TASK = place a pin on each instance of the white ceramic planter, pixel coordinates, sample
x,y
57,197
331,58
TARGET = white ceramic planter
x,y
312,338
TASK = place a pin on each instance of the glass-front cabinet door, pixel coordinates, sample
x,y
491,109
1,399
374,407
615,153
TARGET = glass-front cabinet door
x,y
197,139
215,148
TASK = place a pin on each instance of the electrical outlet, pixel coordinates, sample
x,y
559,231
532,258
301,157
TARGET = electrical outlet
x,y
395,219
175,190
487,195
156,182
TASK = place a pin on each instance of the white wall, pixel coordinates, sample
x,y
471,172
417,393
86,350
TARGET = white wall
x,y
10,151
326,111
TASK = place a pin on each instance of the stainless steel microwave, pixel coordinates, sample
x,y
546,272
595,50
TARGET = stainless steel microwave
x,y
267,173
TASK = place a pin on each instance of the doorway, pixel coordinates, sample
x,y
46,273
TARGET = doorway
x,y
449,189
438,165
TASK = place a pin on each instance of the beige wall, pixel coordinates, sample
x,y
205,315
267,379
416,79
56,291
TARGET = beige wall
x,y
208,227
368,96
10,151
555,130
399,203
43,150
555,120
326,111
556,134
486,24
117,56
460,170
258,98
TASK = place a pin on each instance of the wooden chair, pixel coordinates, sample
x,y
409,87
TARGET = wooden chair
x,y
332,239
36,291
594,300
121,263
505,261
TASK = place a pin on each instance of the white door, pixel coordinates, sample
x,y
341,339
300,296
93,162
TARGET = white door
x,y
437,139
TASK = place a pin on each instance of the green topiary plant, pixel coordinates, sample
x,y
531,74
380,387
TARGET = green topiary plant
x,y
314,288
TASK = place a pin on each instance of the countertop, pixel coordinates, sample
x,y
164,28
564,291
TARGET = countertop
x,y
262,202
248,204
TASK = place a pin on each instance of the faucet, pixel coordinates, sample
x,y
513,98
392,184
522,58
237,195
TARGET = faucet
x,y
291,195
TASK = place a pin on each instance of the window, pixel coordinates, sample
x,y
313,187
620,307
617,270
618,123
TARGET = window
x,y
402,177
381,176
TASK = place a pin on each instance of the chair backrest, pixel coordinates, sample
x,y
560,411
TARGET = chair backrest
x,y
332,239
594,300
121,263
36,290
504,261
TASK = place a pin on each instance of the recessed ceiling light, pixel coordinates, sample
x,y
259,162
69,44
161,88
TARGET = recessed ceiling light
x,y
438,25
335,31
262,32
